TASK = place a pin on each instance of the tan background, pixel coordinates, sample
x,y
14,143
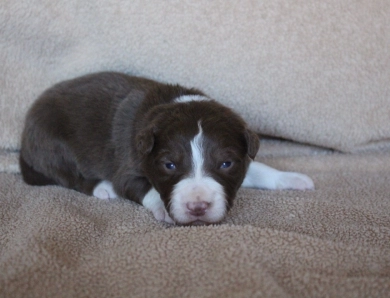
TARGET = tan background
x,y
312,71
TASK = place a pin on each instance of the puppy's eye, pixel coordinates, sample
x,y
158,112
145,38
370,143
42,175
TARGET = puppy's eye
x,y
226,165
170,166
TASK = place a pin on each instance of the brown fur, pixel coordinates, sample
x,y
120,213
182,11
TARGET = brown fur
x,y
110,126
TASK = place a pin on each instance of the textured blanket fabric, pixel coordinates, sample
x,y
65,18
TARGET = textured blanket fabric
x,y
331,242
312,71
316,72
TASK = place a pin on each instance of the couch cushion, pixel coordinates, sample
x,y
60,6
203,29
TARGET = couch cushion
x,y
313,72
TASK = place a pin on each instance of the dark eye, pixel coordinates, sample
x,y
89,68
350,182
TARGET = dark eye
x,y
170,166
226,164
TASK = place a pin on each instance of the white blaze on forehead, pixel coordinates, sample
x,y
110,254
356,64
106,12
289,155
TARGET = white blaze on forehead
x,y
198,187
197,153
188,98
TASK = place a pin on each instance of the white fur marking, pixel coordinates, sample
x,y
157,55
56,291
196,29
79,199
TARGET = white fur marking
x,y
262,176
104,191
198,187
152,201
188,98
197,153
205,189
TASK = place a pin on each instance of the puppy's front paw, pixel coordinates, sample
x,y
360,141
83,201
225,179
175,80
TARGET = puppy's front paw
x,y
162,215
152,201
291,180
104,191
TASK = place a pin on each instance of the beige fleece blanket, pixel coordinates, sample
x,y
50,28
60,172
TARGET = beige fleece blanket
x,y
312,71
331,242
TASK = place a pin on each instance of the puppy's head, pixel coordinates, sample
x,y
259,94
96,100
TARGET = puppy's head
x,y
196,154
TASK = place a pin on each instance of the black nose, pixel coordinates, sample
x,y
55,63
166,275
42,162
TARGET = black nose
x,y
197,208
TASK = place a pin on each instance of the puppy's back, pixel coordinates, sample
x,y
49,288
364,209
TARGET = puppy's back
x,y
68,130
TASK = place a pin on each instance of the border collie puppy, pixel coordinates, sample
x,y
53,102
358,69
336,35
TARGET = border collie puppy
x,y
174,150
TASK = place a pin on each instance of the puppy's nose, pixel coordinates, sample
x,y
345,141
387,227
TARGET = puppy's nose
x,y
197,208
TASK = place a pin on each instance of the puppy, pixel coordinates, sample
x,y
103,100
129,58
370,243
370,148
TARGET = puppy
x,y
174,150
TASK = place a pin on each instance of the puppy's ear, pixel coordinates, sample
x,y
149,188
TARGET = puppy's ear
x,y
145,140
253,143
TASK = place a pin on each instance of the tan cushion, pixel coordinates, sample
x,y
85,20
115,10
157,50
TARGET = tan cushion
x,y
314,72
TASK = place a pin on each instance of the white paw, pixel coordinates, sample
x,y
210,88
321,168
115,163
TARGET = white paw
x,y
104,191
291,180
152,201
162,215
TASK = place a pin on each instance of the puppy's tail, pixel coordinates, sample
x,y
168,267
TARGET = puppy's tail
x,y
32,177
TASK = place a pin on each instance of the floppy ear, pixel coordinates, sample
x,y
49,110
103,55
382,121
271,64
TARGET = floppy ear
x,y
145,140
252,142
